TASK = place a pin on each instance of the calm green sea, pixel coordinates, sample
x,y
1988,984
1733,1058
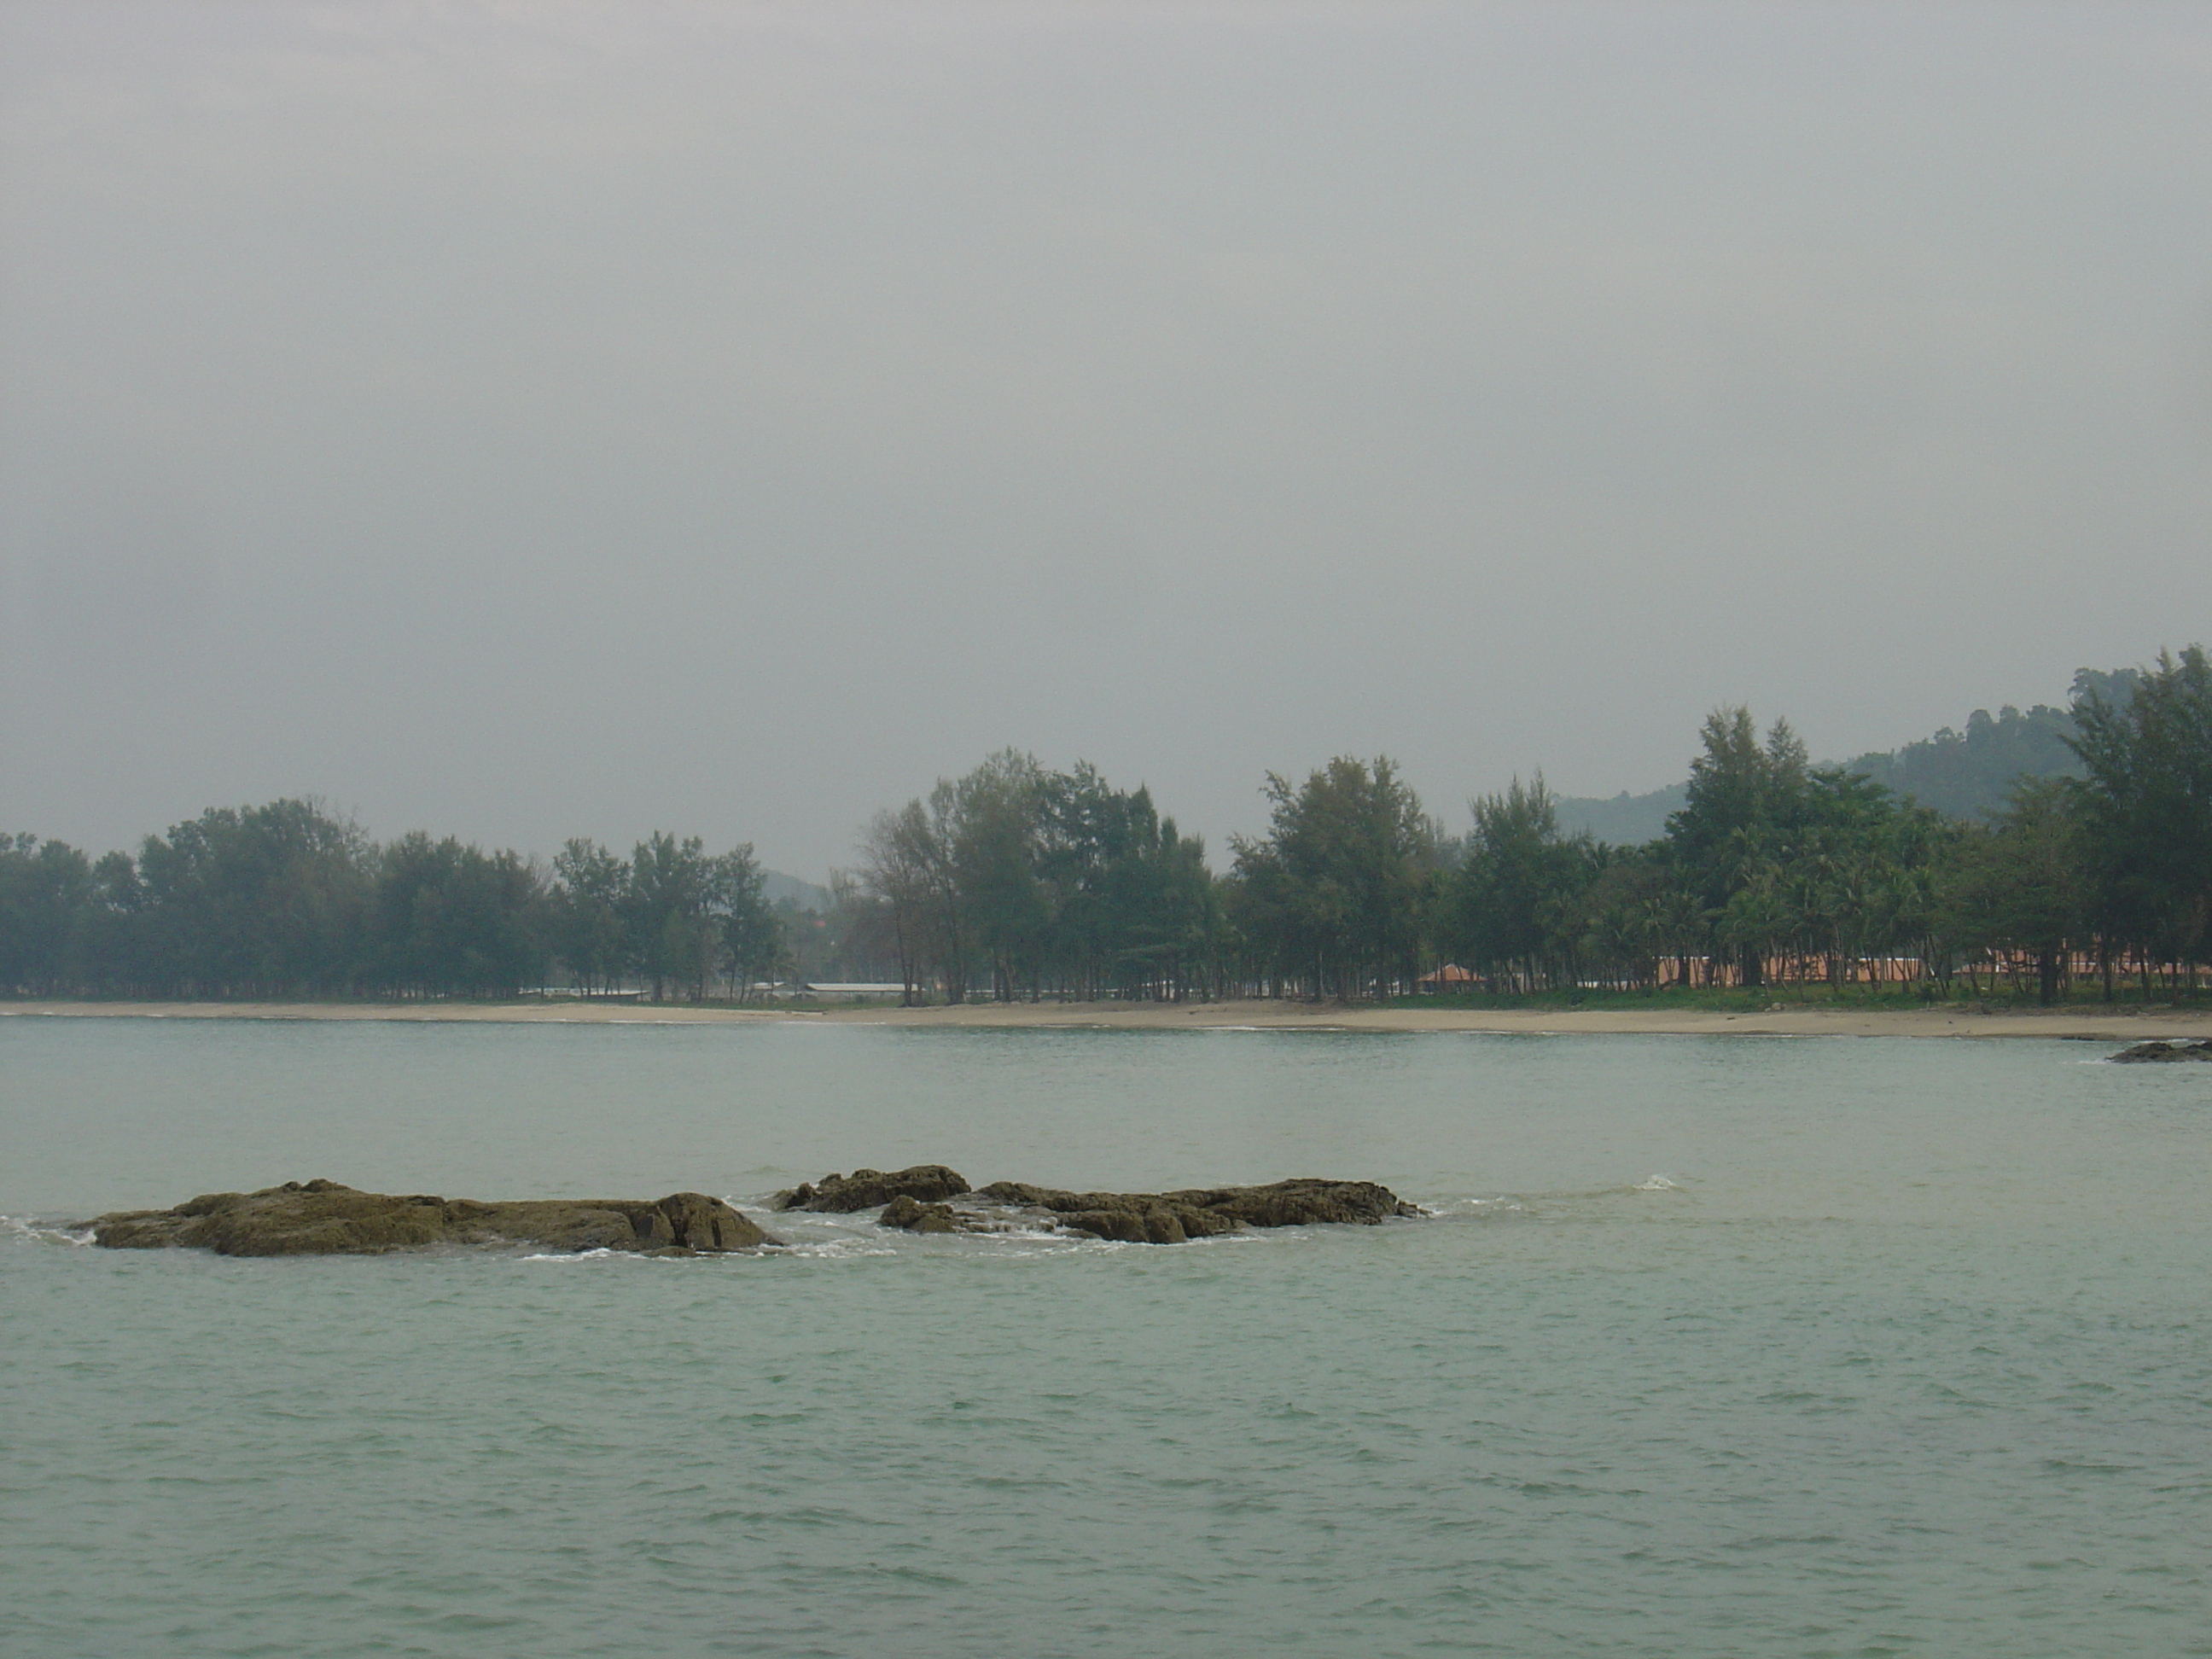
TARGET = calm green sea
x,y
1714,1346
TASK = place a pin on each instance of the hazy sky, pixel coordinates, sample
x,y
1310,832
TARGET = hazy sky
x,y
530,419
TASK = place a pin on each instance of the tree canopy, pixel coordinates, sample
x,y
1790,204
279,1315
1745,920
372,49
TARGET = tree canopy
x,y
286,901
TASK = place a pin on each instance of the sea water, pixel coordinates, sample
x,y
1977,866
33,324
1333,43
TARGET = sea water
x,y
1711,1345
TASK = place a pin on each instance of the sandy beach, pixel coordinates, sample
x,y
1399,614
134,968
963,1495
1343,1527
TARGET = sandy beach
x,y
2071,1023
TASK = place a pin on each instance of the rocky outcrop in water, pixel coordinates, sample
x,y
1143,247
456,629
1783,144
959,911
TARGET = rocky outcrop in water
x,y
2200,1048
864,1190
916,1217
1203,1212
1150,1218
321,1218
1133,1217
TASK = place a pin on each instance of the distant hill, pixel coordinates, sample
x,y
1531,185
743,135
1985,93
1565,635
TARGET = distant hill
x,y
1625,820
1967,774
776,887
1963,775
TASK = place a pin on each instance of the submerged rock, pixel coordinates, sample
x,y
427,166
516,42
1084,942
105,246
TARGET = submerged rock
x,y
2161,1049
864,1190
321,1218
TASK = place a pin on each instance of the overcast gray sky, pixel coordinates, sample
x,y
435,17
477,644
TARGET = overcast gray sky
x,y
532,419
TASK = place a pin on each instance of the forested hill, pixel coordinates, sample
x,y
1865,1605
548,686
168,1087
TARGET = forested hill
x,y
1624,820
775,887
1962,774
1968,774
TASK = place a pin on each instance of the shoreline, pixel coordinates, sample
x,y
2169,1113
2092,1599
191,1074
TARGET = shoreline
x,y
2065,1023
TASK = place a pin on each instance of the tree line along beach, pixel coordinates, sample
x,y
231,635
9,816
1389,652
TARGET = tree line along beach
x,y
2084,1023
1776,885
